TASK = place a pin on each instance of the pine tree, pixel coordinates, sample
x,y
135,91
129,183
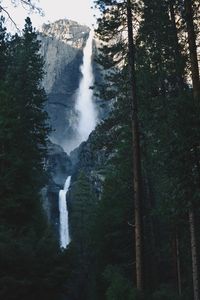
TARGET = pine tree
x,y
118,56
31,264
82,212
24,128
168,97
189,16
137,179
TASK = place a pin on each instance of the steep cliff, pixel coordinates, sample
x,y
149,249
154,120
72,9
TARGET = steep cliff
x,y
62,43
94,157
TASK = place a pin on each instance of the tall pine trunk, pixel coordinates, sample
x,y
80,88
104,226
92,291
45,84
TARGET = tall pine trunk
x,y
178,262
196,95
194,253
177,51
136,156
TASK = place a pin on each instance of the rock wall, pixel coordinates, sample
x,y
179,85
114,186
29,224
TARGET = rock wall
x,y
94,157
61,42
62,45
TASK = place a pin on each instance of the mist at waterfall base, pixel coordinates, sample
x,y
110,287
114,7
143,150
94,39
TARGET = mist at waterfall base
x,y
87,119
84,106
64,230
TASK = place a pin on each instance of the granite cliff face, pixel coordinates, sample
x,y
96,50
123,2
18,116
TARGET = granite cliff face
x,y
94,157
62,45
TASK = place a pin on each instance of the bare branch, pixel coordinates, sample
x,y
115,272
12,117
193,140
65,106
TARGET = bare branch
x,y
26,4
31,6
9,16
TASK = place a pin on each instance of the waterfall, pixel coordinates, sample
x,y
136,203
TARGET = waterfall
x,y
64,230
84,106
87,119
84,103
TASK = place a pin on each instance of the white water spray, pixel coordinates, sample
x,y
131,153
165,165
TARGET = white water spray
x,y
84,106
64,229
86,123
84,103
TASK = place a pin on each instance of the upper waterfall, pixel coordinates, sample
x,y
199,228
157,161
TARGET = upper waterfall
x,y
84,103
85,107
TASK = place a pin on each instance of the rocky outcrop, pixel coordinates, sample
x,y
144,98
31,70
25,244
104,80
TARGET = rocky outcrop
x,y
59,165
94,157
61,43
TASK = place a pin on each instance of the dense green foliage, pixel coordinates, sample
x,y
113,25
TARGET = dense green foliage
x,y
31,264
169,131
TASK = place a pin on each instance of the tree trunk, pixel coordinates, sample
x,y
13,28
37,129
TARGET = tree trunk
x,y
194,253
178,262
177,51
196,95
192,48
136,156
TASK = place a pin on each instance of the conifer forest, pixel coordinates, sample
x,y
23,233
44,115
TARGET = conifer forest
x,y
131,203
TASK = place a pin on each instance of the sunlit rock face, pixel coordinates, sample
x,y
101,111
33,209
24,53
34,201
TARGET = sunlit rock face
x,y
62,45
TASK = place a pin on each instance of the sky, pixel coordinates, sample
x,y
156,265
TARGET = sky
x,y
76,10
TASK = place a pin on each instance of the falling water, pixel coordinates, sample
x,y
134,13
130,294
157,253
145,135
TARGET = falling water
x,y
84,103
84,106
87,119
64,230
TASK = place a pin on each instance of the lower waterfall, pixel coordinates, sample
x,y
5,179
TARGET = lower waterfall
x,y
64,229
